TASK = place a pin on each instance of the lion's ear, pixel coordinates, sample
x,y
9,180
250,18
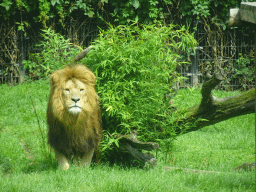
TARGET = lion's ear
x,y
93,78
54,78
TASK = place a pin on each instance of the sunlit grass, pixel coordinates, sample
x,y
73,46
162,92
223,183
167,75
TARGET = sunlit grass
x,y
111,179
25,165
219,147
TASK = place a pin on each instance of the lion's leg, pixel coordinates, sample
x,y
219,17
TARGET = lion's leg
x,y
62,160
87,158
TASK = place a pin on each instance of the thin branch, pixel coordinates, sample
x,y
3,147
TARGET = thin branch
x,y
82,54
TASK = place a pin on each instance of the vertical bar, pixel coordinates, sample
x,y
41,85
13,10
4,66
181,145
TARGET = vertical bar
x,y
194,65
255,66
23,57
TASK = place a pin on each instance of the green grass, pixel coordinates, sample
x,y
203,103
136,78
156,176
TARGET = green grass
x,y
114,179
26,166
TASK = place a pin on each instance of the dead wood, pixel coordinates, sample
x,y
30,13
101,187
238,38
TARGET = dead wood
x,y
212,110
82,54
129,144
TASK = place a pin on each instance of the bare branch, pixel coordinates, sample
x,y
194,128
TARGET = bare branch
x,y
82,54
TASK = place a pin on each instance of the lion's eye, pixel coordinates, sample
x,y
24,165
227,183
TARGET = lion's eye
x,y
81,90
67,90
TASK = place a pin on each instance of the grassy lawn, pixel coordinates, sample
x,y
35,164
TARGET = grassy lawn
x,y
218,149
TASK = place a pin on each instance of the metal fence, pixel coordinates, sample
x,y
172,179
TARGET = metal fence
x,y
220,50
15,45
216,49
9,54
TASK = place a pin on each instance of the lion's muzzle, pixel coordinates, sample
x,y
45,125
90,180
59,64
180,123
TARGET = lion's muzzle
x,y
75,108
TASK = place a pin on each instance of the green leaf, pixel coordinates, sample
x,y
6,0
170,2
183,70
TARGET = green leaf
x,y
136,4
90,13
6,4
53,2
116,142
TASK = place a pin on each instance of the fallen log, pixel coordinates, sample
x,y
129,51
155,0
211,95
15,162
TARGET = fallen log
x,y
130,152
212,110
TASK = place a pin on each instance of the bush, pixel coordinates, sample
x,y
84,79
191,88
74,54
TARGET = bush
x,y
244,70
55,51
136,68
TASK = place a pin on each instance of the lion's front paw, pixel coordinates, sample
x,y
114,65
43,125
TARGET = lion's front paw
x,y
62,160
64,166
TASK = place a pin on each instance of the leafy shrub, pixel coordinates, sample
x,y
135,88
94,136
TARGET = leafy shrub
x,y
120,11
135,68
55,51
244,70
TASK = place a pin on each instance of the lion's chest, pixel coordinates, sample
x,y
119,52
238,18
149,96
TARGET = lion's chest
x,y
72,140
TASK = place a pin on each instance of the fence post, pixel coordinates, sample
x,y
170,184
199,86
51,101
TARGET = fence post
x,y
194,61
23,57
194,69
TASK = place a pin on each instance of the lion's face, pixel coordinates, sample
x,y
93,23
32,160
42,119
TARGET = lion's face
x,y
72,93
74,96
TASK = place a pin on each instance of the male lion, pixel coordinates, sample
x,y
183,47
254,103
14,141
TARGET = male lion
x,y
73,115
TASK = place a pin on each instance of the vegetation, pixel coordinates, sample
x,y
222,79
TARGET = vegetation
x,y
122,12
56,51
244,70
220,148
135,68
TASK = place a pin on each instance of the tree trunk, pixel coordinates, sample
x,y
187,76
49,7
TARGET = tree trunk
x,y
212,110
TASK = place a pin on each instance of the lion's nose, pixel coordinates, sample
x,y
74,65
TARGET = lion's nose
x,y
75,99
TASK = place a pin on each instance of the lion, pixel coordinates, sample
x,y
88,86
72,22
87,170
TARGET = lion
x,y
73,115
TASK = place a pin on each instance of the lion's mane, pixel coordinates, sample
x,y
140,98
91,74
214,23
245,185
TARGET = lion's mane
x,y
68,134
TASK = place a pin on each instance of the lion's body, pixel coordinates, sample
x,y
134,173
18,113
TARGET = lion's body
x,y
73,115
